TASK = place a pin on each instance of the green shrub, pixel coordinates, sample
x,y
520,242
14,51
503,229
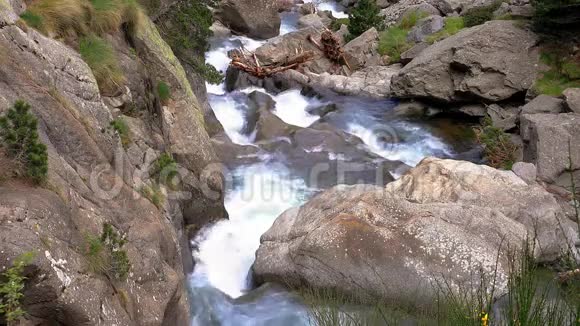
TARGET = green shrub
x,y
154,194
18,131
105,254
364,16
336,23
163,91
165,169
548,14
122,129
33,20
100,57
499,150
452,26
187,31
480,15
12,286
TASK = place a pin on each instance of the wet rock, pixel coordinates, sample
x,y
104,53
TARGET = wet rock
x,y
543,104
253,18
547,138
452,70
363,50
426,27
377,242
572,98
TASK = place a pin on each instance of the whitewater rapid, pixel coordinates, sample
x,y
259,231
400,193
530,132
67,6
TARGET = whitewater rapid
x,y
220,285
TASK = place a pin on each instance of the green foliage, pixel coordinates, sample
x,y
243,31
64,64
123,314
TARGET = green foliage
x,y
165,169
499,150
364,16
336,23
154,194
122,129
19,135
105,254
563,73
452,26
393,41
11,288
480,15
100,57
187,32
548,14
163,91
33,20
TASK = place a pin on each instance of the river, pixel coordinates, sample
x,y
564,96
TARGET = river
x,y
221,288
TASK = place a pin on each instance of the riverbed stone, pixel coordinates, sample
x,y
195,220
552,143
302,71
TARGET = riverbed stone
x,y
253,18
442,220
572,99
491,62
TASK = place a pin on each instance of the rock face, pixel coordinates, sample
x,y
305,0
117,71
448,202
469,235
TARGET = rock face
x,y
543,104
490,62
94,179
398,10
363,50
443,218
572,98
546,138
426,27
254,18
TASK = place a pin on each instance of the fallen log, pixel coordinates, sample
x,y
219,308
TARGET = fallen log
x,y
248,61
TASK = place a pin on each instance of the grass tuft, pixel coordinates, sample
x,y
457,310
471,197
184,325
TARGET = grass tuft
x,y
163,92
393,41
563,73
499,150
101,58
33,20
154,194
452,26
57,17
122,129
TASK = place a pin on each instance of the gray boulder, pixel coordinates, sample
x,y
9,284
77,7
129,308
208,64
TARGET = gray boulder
x,y
413,52
363,50
492,62
526,171
389,243
397,11
503,118
254,18
547,138
572,98
543,104
312,20
426,27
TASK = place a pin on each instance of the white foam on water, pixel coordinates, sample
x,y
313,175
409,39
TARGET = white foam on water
x,y
291,108
329,6
231,118
410,153
226,250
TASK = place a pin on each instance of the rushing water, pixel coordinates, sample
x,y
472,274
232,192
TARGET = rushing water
x,y
221,288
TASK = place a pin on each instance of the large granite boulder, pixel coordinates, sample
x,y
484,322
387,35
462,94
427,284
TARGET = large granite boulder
x,y
490,62
253,18
543,104
443,220
395,12
363,51
551,141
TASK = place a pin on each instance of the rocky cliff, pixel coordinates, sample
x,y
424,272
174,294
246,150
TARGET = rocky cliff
x,y
101,176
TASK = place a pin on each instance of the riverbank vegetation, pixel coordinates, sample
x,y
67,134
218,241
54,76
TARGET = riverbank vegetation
x,y
12,282
534,297
393,41
105,254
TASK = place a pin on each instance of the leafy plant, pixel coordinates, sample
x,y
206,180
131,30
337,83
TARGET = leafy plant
x,y
364,16
105,254
122,129
163,91
187,32
12,286
393,41
165,169
100,57
480,15
336,23
452,26
18,131
499,150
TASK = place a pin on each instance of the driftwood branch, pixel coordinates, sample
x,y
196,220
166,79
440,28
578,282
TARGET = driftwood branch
x,y
248,61
330,45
